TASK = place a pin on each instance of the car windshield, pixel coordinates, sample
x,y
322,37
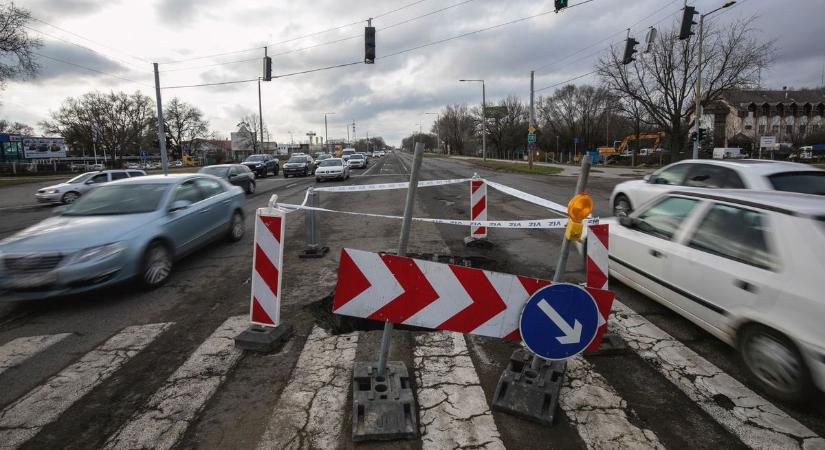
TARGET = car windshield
x,y
119,199
812,182
298,160
322,157
217,171
331,163
356,156
254,158
81,178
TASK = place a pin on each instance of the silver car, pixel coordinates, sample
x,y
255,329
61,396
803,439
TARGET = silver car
x,y
71,190
130,229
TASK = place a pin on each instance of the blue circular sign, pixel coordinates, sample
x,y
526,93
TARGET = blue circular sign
x,y
559,321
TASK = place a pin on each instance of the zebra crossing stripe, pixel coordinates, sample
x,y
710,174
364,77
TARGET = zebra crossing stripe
x,y
24,418
23,348
453,407
161,423
599,412
755,421
310,413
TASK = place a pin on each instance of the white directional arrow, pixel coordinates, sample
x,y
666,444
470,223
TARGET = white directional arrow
x,y
572,335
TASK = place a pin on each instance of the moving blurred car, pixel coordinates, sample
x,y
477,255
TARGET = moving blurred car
x,y
236,174
358,161
262,165
746,266
741,174
298,165
332,169
129,229
71,190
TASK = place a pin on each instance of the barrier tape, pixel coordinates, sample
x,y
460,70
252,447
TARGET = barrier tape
x,y
387,186
528,197
513,224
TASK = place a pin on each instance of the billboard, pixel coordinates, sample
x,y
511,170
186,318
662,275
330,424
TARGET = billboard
x,y
42,147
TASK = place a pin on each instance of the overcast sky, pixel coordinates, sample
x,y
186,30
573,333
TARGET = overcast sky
x,y
388,98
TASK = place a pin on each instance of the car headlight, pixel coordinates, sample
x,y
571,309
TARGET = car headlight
x,y
99,252
51,191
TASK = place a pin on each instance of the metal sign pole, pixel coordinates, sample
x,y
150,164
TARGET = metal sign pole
x,y
402,246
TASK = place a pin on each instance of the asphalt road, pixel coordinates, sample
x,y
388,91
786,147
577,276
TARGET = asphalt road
x,y
123,368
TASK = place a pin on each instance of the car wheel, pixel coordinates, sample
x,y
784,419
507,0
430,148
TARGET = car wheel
x,y
70,197
317,180
621,206
157,265
285,175
775,363
237,227
250,187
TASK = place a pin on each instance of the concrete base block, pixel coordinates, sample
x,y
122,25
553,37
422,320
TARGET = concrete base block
x,y
383,408
314,252
261,339
533,395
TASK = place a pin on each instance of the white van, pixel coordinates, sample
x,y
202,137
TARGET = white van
x,y
346,153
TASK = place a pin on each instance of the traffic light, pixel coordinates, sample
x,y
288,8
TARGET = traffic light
x,y
369,45
629,50
561,4
267,68
687,23
702,133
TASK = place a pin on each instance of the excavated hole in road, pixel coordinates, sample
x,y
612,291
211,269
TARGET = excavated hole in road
x,y
336,324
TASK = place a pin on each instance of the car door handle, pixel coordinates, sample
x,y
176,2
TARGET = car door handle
x,y
656,254
745,286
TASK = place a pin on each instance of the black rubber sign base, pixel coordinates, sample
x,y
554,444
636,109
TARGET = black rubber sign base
x,y
383,408
533,395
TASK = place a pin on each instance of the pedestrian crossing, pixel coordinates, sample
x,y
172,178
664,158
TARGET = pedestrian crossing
x,y
312,411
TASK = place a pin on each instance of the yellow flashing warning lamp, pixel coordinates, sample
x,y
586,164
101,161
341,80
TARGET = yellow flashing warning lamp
x,y
579,207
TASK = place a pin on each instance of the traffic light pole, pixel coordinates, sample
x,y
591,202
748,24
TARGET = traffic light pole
x,y
698,105
164,160
532,117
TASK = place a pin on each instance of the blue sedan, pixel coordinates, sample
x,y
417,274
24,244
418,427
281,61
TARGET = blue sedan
x,y
133,229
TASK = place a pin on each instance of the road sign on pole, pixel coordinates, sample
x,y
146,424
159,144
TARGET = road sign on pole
x,y
531,138
559,321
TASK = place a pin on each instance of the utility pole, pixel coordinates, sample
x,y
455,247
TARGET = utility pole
x,y
164,161
260,109
697,144
532,118
326,130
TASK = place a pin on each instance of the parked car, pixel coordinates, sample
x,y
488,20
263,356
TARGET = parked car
x,y
262,164
332,169
71,190
357,160
739,174
176,164
129,229
132,166
744,265
97,167
298,165
236,174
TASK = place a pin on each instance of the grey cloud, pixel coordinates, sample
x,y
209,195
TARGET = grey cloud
x,y
182,12
57,72
49,9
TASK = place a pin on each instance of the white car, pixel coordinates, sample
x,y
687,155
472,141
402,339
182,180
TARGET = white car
x,y
740,174
332,169
747,266
71,190
357,160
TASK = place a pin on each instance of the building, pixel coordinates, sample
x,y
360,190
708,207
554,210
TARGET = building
x,y
741,117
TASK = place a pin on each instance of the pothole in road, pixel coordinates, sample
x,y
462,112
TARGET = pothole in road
x,y
321,310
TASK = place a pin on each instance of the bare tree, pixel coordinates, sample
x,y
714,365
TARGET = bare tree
x,y
184,126
252,126
116,122
17,58
573,112
663,81
21,129
456,127
508,132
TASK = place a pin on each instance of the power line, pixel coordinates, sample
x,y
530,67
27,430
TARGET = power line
x,y
84,47
91,69
335,66
219,83
211,65
566,81
90,40
318,69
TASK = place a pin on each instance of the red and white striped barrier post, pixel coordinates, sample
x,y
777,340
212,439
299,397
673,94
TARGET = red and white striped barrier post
x,y
267,269
478,209
597,276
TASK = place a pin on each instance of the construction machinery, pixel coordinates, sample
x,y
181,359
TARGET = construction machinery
x,y
655,139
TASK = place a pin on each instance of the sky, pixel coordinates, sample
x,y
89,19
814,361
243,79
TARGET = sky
x,y
120,39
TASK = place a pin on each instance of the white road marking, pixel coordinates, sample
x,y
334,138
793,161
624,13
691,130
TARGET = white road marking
x,y
453,408
311,410
755,421
24,418
161,423
23,348
599,412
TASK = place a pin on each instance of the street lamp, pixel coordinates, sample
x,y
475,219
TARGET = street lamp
x,y
483,117
698,106
437,133
326,131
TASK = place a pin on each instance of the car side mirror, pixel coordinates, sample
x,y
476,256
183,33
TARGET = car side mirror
x,y
178,205
627,221
646,178
89,182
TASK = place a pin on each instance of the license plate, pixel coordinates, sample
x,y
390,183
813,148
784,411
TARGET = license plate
x,y
31,281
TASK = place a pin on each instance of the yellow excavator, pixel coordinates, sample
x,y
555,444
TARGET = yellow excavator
x,y
623,147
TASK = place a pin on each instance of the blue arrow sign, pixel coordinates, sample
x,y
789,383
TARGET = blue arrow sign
x,y
559,321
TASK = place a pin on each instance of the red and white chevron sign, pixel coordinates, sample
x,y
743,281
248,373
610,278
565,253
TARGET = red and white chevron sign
x,y
265,306
434,295
597,258
478,207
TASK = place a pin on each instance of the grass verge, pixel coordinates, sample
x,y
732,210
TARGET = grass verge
x,y
501,166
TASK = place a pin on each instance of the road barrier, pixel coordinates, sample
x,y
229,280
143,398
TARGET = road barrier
x,y
478,209
596,267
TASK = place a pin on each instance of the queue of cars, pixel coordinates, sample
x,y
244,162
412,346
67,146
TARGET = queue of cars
x,y
736,248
